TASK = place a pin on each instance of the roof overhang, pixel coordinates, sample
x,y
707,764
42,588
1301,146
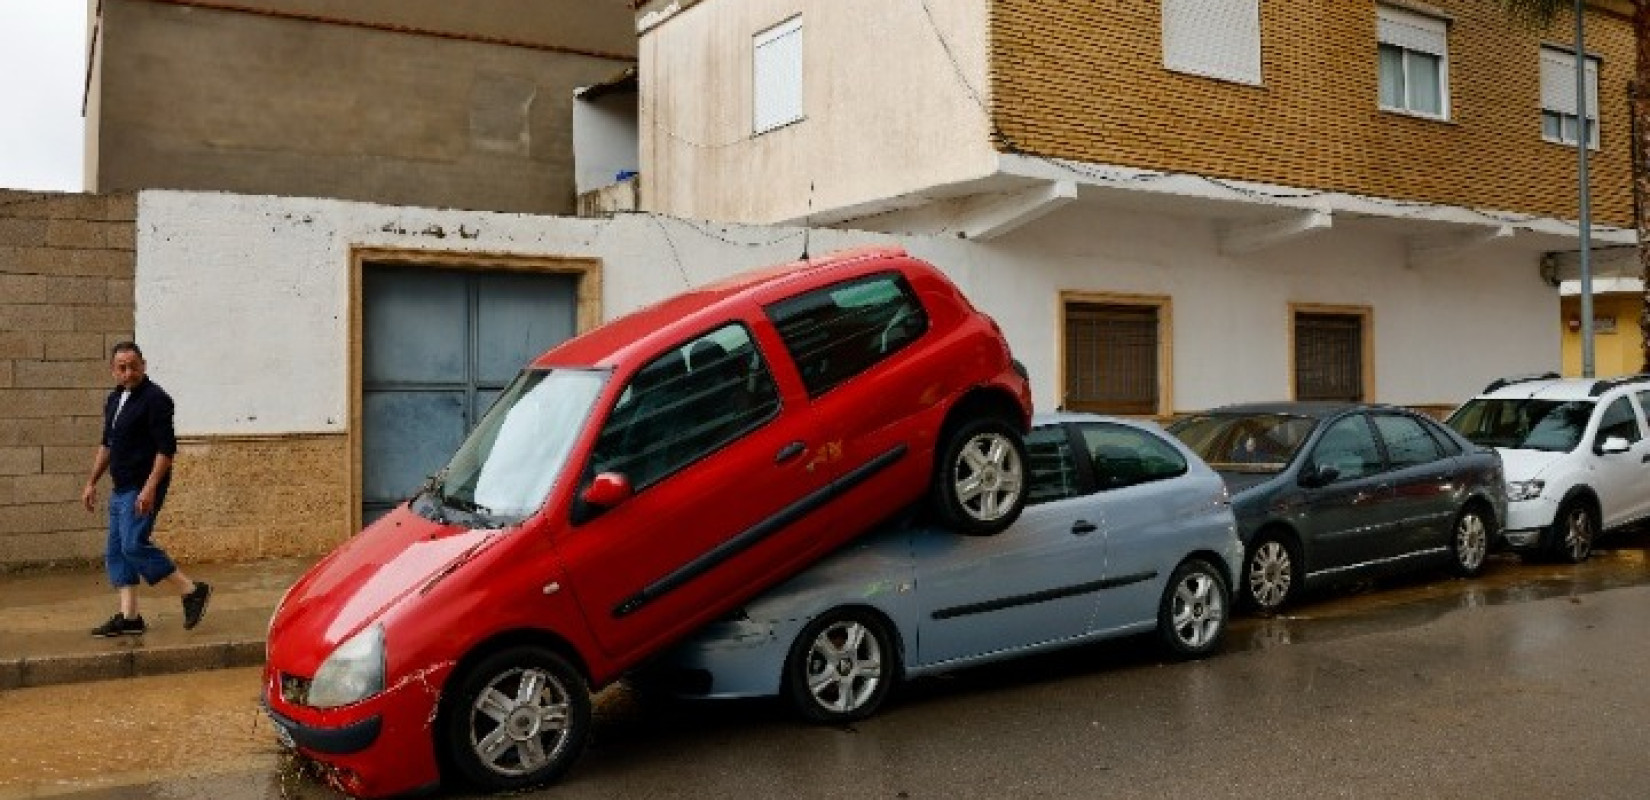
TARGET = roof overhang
x,y
1250,216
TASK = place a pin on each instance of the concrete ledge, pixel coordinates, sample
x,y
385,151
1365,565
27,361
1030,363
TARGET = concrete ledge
x,y
25,673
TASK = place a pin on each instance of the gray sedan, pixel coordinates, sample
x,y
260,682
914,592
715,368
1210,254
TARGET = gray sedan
x,y
1125,531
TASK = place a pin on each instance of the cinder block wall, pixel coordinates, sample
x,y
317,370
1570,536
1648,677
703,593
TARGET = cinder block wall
x,y
1086,81
66,270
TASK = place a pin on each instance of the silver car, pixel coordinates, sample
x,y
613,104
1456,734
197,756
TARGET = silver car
x,y
1125,531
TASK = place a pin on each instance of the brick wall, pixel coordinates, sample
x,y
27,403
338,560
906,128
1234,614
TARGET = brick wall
x,y
1086,81
66,269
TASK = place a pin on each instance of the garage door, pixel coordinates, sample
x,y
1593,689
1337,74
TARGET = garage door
x,y
438,346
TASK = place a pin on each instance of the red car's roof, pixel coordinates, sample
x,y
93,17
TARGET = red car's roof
x,y
690,312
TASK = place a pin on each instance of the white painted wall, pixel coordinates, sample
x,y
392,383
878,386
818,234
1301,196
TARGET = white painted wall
x,y
899,109
604,140
243,307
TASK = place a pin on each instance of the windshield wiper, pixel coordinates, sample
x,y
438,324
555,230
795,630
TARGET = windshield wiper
x,y
468,506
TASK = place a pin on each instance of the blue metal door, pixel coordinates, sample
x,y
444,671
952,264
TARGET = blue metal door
x,y
438,347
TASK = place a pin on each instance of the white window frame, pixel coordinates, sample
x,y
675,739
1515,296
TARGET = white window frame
x,y
776,76
1558,86
1217,39
1411,32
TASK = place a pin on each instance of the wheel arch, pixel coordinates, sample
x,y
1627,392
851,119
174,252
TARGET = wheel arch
x,y
987,400
1286,533
1215,560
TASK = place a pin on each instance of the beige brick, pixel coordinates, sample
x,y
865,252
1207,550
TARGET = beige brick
x,y
22,489
59,261
64,430
85,374
21,344
25,403
70,346
22,232
110,339
120,292
57,290
102,318
90,235
42,517
82,545
6,379
67,460
34,318
19,461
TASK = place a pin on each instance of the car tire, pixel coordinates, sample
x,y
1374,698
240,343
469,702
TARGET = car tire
x,y
1573,532
841,667
980,477
1271,573
1469,542
1191,617
517,719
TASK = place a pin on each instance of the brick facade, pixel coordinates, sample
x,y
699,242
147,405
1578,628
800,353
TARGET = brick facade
x,y
66,272
1086,81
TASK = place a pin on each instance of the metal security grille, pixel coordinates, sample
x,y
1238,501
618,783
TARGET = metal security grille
x,y
1329,357
1111,358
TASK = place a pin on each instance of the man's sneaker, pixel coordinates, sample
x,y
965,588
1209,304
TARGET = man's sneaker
x,y
119,625
194,604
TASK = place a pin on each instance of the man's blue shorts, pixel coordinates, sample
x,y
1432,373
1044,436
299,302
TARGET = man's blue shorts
x,y
130,554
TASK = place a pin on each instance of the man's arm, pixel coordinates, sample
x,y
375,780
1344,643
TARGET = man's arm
x,y
146,497
100,464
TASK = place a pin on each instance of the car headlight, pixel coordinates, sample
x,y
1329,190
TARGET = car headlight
x,y
354,672
1525,490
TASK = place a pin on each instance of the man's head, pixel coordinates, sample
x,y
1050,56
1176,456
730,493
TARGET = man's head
x,y
126,362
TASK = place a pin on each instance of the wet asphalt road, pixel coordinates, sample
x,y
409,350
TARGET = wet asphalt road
x,y
1528,682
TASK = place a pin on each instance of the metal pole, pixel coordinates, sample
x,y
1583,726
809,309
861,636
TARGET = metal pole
x,y
1584,137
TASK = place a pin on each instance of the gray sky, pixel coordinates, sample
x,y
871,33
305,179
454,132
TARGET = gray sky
x,y
42,75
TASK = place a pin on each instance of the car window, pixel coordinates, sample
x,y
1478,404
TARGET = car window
x,y
685,404
1524,424
1407,443
1349,447
1124,456
1447,440
838,332
1053,467
1619,420
1245,442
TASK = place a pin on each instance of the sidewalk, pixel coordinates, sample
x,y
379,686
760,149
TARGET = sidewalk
x,y
46,620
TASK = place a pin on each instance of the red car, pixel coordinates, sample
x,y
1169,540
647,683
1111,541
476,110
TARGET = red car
x,y
631,485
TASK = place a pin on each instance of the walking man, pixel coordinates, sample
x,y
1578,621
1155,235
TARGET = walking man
x,y
137,451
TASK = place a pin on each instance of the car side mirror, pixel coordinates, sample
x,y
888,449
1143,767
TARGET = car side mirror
x,y
607,490
1613,445
1319,476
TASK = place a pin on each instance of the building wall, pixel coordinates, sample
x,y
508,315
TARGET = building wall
x,y
190,95
1618,344
66,277
244,304
1065,89
893,97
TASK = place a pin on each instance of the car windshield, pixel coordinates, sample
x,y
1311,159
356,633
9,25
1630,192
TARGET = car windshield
x,y
504,470
1245,442
1524,423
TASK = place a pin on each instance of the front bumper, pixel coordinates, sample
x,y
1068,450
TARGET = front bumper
x,y
1527,522
381,746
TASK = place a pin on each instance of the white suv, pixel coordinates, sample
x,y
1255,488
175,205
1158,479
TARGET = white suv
x,y
1576,455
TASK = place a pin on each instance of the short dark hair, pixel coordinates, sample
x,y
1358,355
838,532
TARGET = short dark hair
x,y
125,347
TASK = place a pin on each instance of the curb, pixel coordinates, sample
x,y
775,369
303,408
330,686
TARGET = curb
x,y
32,672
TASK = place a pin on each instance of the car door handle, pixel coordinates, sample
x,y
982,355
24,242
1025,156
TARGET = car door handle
x,y
1083,527
788,452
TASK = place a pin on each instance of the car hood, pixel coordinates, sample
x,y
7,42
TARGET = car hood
x,y
398,555
1524,465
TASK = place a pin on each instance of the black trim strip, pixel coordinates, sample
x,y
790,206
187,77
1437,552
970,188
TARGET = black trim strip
x,y
1042,597
753,535
332,741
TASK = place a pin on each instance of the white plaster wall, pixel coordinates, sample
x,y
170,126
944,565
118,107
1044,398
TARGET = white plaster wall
x,y
604,141
243,306
887,112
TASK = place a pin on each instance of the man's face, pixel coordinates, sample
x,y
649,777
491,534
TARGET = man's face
x,y
127,367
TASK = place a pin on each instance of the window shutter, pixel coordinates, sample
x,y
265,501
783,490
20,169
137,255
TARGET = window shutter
x,y
1111,358
1213,38
777,78
1412,31
1558,83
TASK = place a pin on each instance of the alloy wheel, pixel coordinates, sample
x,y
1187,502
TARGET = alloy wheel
x,y
1199,610
519,722
988,476
844,667
1271,571
1472,542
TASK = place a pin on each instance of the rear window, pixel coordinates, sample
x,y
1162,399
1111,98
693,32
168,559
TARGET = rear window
x,y
840,331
